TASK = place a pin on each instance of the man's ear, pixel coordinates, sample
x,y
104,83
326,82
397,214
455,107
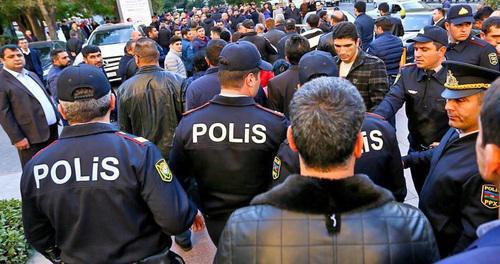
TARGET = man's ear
x,y
482,35
291,142
358,146
112,102
61,111
492,161
447,26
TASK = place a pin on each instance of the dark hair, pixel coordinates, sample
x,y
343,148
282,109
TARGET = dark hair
x,y
73,34
184,32
174,39
345,30
280,66
90,49
149,29
322,13
384,7
490,115
20,39
441,10
216,30
55,53
483,13
290,24
199,62
214,47
176,29
326,116
385,23
11,47
313,20
128,45
295,47
225,35
145,48
198,28
360,6
489,23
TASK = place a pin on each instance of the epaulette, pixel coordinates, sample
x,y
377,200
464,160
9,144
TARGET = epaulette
x,y
195,109
375,115
270,111
42,150
477,42
138,140
409,65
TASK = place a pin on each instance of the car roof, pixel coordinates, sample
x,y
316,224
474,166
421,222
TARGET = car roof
x,y
115,26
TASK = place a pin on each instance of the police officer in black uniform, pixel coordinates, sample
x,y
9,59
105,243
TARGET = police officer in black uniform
x,y
98,195
381,159
420,86
228,144
463,45
455,198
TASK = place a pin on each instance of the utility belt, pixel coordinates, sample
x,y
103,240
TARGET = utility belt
x,y
164,257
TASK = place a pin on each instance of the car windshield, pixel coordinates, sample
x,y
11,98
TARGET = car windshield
x,y
416,6
111,36
415,22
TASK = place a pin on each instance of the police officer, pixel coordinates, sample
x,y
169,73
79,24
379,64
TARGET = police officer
x,y
455,198
463,46
381,159
420,86
99,195
228,144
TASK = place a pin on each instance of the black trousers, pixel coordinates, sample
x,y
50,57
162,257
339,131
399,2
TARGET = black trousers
x,y
215,224
26,154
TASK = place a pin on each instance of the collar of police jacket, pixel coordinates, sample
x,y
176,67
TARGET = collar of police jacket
x,y
86,129
319,196
233,101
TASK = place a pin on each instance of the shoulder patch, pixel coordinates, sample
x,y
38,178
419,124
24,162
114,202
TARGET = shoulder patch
x,y
270,111
164,171
137,140
276,168
195,109
489,196
493,58
375,115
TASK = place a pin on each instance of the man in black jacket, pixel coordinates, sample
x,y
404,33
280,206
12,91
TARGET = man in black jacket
x,y
266,49
316,217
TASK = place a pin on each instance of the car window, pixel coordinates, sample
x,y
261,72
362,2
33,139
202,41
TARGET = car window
x,y
112,36
44,55
415,23
414,6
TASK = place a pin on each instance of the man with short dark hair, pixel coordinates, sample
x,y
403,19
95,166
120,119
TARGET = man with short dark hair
x,y
203,89
490,32
97,193
74,45
92,55
60,60
126,66
326,40
32,58
27,114
201,41
364,24
152,33
397,28
228,145
187,50
281,88
365,71
324,21
312,35
327,214
173,61
438,17
266,49
290,30
215,32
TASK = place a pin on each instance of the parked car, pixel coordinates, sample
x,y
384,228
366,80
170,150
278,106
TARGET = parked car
x,y
44,48
397,6
111,39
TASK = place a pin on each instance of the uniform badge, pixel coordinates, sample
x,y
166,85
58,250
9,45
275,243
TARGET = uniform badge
x,y
493,58
276,167
463,11
489,196
164,171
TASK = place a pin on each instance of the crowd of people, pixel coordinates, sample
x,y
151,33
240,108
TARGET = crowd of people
x,y
282,144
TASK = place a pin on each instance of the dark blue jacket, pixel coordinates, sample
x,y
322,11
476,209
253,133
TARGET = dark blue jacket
x,y
122,66
364,25
52,77
475,51
187,54
388,48
33,63
203,89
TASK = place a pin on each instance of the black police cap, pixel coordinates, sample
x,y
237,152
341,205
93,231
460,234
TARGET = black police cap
x,y
467,79
317,63
459,14
82,76
242,56
431,33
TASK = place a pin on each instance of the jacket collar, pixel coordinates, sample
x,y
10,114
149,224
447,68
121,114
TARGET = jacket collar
x,y
320,196
212,70
148,69
440,76
460,46
360,59
233,101
249,34
86,129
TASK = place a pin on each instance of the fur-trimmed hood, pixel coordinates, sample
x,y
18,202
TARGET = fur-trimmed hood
x,y
320,196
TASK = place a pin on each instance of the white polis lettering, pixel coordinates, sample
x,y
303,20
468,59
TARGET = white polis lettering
x,y
219,132
62,171
373,141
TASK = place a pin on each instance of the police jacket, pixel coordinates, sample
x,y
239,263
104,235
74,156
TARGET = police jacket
x,y
311,220
151,105
454,197
228,146
381,159
266,49
474,51
101,196
427,119
388,48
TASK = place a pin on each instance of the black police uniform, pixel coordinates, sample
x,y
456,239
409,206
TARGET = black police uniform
x,y
427,119
454,197
228,146
102,196
474,51
381,159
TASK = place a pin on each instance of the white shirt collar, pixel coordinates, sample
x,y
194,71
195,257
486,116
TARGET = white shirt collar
x,y
438,68
14,73
26,52
232,95
461,135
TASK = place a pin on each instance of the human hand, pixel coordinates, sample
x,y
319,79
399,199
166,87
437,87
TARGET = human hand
x,y
198,223
22,144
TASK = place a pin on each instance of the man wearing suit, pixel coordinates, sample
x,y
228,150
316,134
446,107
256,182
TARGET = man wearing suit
x,y
31,58
27,114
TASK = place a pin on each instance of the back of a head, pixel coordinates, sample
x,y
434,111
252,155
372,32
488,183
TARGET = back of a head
x,y
225,35
326,116
385,23
384,7
90,49
345,30
295,47
146,50
490,23
280,19
213,50
360,6
490,115
269,23
199,62
313,20
290,25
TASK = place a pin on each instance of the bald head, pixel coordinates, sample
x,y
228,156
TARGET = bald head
x,y
135,35
146,52
337,17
